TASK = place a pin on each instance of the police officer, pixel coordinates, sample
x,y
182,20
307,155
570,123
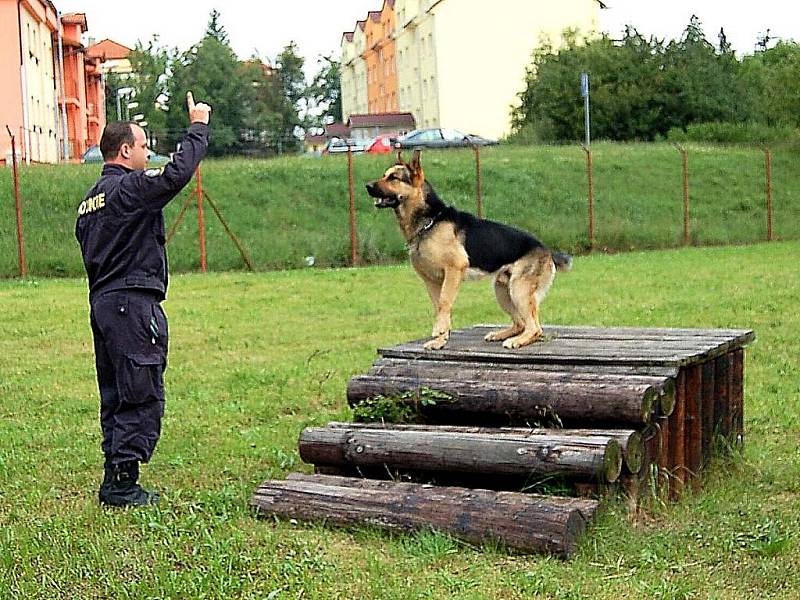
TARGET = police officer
x,y
120,228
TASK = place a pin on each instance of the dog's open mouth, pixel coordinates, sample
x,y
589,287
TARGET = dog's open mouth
x,y
389,202
381,199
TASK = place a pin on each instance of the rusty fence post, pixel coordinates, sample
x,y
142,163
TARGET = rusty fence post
x,y
590,177
685,162
201,221
768,170
478,194
351,193
23,267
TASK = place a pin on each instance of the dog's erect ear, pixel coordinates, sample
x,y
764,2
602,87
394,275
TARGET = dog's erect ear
x,y
400,158
417,175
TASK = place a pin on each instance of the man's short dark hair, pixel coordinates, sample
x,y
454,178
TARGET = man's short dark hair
x,y
115,134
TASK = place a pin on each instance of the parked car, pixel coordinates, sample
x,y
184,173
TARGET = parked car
x,y
437,137
383,144
92,155
158,159
339,146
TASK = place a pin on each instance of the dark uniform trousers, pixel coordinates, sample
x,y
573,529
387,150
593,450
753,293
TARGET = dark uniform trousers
x,y
131,342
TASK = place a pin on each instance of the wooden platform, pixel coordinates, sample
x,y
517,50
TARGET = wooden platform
x,y
624,349
630,409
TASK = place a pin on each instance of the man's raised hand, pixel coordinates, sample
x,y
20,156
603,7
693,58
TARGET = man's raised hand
x,y
198,113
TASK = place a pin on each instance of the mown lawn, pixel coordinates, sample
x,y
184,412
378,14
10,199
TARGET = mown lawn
x,y
257,357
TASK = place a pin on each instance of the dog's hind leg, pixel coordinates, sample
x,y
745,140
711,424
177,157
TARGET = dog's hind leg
x,y
527,290
503,296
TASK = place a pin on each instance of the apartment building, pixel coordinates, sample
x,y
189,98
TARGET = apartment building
x,y
461,63
35,41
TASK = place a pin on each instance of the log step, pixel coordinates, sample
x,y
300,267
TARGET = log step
x,y
522,401
459,451
631,441
525,522
554,375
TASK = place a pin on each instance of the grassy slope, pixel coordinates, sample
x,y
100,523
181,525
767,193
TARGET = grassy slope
x,y
254,358
290,208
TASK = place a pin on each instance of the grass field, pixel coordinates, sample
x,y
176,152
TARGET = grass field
x,y
289,208
257,357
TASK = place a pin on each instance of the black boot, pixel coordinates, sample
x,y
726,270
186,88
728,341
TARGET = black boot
x,y
120,487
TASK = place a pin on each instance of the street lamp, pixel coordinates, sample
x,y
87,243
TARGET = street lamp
x,y
126,91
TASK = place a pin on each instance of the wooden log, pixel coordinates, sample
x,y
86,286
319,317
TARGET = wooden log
x,y
509,372
587,508
737,397
587,458
528,402
677,443
721,400
693,424
663,462
563,368
708,389
630,441
520,521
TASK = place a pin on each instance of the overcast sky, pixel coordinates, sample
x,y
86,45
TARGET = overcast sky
x,y
265,27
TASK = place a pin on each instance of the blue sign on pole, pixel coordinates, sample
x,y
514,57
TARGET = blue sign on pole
x,y
584,84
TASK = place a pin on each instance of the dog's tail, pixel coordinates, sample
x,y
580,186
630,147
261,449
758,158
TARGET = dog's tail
x,y
562,261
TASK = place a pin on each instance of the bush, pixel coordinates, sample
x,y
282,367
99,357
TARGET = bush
x,y
734,133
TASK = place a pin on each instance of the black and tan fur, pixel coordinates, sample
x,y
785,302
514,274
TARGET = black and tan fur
x,y
447,245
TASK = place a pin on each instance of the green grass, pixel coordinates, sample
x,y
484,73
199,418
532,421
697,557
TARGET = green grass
x,y
257,357
289,208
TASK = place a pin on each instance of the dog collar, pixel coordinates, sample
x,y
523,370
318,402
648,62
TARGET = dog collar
x,y
422,230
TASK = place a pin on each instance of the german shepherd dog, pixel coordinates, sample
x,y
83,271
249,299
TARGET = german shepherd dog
x,y
446,245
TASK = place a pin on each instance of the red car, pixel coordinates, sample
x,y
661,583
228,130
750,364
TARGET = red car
x,y
383,144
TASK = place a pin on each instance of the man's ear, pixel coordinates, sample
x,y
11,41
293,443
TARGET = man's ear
x,y
125,151
417,175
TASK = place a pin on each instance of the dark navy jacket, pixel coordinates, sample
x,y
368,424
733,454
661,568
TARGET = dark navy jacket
x,y
120,224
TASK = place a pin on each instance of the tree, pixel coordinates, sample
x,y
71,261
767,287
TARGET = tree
x,y
149,64
212,72
293,93
772,78
325,92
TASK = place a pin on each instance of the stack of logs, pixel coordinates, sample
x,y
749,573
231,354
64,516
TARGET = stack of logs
x,y
586,410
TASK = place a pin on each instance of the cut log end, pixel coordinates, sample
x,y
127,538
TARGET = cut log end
x,y
634,452
612,461
667,398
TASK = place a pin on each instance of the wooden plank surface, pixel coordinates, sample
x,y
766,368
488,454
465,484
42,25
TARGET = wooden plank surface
x,y
587,345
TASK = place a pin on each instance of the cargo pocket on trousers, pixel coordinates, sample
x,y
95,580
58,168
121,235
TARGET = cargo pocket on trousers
x,y
141,378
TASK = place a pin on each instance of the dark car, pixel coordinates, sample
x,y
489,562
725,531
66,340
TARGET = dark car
x,y
437,137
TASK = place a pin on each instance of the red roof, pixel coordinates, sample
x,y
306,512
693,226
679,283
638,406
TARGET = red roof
x,y
75,19
108,50
337,129
403,120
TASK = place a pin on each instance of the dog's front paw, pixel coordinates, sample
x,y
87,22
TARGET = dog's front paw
x,y
503,334
441,328
521,340
436,343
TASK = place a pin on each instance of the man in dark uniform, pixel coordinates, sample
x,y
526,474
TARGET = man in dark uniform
x,y
120,228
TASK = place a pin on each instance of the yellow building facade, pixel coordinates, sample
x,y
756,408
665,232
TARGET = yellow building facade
x,y
461,63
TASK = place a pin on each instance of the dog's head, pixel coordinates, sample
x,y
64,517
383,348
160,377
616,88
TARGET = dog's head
x,y
401,183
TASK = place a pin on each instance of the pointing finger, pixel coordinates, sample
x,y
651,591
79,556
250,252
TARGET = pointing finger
x,y
190,100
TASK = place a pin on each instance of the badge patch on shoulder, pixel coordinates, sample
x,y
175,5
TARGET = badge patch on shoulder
x,y
154,172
